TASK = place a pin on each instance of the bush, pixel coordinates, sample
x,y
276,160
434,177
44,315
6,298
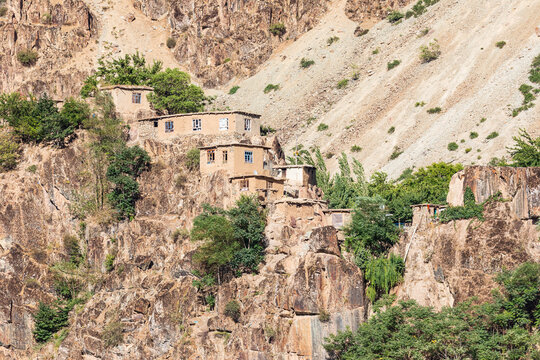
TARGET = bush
x,y
179,234
46,18
393,64
376,51
193,159
109,262
234,89
332,40
49,319
73,250
278,29
322,127
27,57
394,16
526,150
468,150
473,135
500,44
112,334
382,274
10,151
470,209
434,110
232,310
3,11
266,130
180,180
342,84
171,43
32,169
430,52
391,130
356,148
227,60
419,104
395,154
453,146
324,316
492,135
271,87
305,63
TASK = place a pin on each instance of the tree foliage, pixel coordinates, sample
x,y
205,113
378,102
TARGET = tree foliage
x,y
500,329
129,70
10,151
526,150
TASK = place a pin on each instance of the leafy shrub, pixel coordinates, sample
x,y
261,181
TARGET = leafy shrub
x,y
424,32
234,89
430,52
193,159
356,148
3,11
324,316
109,262
46,18
232,310
10,151
468,150
382,274
393,64
32,169
180,180
452,146
278,29
473,135
391,130
500,44
322,127
526,150
419,104
469,210
171,43
394,16
227,60
376,51
179,234
329,155
112,334
305,63
124,168
434,110
492,135
395,154
342,83
483,119
499,329
266,130
49,319
271,87
27,57
332,40
73,250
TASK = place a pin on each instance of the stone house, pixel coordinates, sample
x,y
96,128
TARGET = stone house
x,y
267,188
297,175
131,101
236,159
203,123
427,211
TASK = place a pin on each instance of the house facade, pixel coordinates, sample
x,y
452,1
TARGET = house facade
x,y
204,123
297,175
131,101
236,159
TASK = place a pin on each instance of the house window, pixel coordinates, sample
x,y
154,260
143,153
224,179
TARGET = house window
x,y
269,184
156,123
136,98
244,185
169,126
197,124
210,156
247,124
225,156
224,124
248,157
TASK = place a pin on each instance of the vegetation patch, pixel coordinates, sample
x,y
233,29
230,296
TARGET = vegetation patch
x,y
453,146
356,148
342,83
271,87
234,89
322,127
395,154
27,57
278,29
529,91
473,135
324,316
193,159
394,16
232,310
392,64
391,130
171,43
492,135
112,334
3,11
419,104
305,63
434,110
500,44
267,130
10,151
332,40
430,52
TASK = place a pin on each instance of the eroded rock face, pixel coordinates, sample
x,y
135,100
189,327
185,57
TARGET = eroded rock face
x,y
361,10
56,30
218,40
519,185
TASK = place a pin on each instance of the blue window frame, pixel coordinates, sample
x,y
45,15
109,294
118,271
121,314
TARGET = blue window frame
x,y
169,126
248,157
136,98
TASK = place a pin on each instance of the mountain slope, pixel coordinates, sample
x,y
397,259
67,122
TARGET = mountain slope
x,y
471,80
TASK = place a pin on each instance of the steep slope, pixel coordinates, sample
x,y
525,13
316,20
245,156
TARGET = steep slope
x,y
471,80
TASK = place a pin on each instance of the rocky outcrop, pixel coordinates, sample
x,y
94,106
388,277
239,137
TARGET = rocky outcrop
x,y
361,10
219,40
57,31
519,185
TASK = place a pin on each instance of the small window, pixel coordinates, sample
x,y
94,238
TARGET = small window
x,y
197,124
248,157
169,126
136,98
224,124
156,123
269,184
210,156
244,185
225,156
247,124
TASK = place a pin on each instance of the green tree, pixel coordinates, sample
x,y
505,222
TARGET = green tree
x,y
526,150
49,319
129,70
174,93
9,151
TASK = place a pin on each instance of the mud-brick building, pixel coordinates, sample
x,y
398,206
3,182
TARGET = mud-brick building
x,y
203,123
131,101
236,159
297,175
425,212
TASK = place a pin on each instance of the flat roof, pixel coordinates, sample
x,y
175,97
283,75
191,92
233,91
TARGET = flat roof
x,y
432,205
201,114
234,144
127,87
262,176
338,211
294,166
